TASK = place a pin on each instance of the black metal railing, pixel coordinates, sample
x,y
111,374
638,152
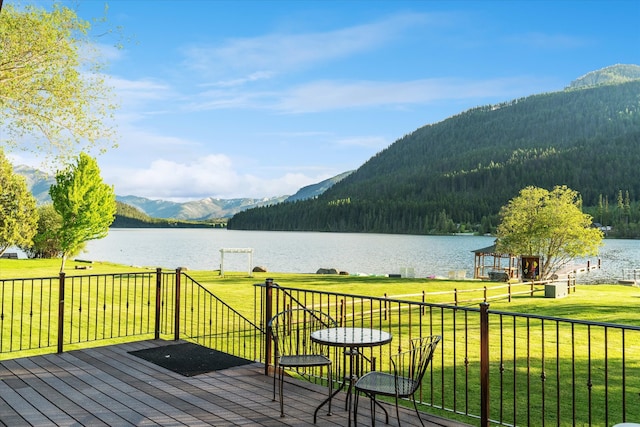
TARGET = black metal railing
x,y
28,314
209,321
57,313
54,313
102,307
497,367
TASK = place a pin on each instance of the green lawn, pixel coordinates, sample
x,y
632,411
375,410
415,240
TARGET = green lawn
x,y
600,303
29,268
604,303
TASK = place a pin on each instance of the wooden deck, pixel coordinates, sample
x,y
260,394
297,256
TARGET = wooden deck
x,y
106,386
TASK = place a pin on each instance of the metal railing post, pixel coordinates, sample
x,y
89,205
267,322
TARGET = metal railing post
x,y
176,320
484,365
268,304
61,312
158,302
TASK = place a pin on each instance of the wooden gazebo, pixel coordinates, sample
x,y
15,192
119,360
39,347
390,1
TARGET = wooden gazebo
x,y
488,260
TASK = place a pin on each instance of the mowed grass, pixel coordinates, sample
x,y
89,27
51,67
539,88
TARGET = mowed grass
x,y
602,303
31,268
612,303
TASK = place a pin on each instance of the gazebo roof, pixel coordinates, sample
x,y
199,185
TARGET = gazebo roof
x,y
491,250
488,250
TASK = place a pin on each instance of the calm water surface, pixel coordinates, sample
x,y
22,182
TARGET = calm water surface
x,y
306,252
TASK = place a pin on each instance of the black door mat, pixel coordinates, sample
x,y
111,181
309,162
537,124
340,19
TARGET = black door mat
x,y
189,359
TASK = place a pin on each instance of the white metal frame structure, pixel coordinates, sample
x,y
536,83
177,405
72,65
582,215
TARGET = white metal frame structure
x,y
236,251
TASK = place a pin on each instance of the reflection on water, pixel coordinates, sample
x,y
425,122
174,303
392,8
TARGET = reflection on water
x,y
615,255
306,252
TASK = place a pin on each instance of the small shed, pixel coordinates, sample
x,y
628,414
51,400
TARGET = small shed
x,y
488,260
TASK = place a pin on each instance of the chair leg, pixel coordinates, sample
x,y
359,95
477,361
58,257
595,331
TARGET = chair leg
x,y
275,374
315,413
355,408
281,372
397,411
329,372
386,414
373,410
417,412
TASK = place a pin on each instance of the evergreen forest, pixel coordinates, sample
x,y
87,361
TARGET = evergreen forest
x,y
455,175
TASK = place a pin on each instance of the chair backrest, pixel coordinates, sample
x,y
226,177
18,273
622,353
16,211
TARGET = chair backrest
x,y
413,363
291,329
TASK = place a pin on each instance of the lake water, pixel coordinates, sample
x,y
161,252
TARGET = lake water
x,y
306,252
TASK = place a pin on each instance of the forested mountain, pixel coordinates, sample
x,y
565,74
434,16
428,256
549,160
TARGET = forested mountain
x,y
128,216
456,174
199,210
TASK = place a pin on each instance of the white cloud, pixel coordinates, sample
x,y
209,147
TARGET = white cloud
x,y
287,184
24,159
109,53
233,98
167,178
209,176
134,93
273,54
260,75
236,63
334,95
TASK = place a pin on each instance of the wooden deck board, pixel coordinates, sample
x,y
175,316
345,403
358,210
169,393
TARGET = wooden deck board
x,y
112,394
108,386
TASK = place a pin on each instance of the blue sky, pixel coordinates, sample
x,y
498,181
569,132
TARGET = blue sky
x,y
259,98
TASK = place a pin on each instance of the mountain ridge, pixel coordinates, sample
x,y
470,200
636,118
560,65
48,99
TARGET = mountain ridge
x,y
613,74
456,174
205,209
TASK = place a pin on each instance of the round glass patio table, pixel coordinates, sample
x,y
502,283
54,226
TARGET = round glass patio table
x,y
353,339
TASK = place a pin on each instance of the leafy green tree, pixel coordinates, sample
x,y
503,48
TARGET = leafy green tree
x,y
86,204
549,224
45,242
51,85
18,215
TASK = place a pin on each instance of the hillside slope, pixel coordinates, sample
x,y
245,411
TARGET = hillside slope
x,y
314,190
463,169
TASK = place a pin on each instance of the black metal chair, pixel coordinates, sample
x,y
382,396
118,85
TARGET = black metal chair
x,y
294,349
407,370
